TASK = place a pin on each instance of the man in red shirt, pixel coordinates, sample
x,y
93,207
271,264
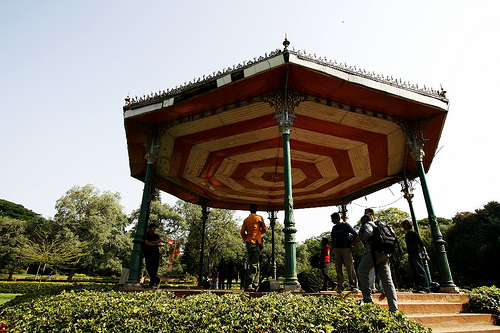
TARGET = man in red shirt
x,y
251,231
325,264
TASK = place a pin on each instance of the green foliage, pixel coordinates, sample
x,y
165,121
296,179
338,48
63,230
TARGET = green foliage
x,y
485,300
53,252
474,239
86,215
11,231
33,291
222,237
305,251
18,212
171,223
112,311
279,249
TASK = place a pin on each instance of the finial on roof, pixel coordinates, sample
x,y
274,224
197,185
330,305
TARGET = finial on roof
x,y
286,43
442,93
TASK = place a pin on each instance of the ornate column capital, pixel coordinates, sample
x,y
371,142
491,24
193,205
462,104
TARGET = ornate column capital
x,y
414,131
152,144
407,189
284,103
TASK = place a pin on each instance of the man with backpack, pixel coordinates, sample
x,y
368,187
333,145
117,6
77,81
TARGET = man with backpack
x,y
375,256
373,278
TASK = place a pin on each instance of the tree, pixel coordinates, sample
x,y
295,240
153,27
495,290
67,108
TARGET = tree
x,y
86,215
51,252
171,223
309,248
222,237
16,221
279,249
473,244
16,211
11,231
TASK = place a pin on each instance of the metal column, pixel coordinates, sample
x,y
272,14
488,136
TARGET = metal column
x,y
408,194
205,212
272,218
414,132
136,259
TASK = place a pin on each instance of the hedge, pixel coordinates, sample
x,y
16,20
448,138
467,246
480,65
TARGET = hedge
x,y
160,311
486,300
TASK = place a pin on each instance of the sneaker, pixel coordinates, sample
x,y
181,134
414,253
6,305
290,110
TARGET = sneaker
x,y
249,289
361,302
417,291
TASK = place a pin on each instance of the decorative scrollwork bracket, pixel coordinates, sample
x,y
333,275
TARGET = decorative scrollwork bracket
x,y
414,131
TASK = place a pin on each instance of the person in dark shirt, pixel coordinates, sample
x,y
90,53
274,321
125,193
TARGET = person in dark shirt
x,y
152,255
416,255
344,237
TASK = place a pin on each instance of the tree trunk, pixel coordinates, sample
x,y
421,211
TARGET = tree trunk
x,y
70,274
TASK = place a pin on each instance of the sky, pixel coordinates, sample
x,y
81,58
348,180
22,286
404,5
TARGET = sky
x,y
67,66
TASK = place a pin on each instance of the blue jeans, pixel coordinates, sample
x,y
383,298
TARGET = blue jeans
x,y
384,272
417,268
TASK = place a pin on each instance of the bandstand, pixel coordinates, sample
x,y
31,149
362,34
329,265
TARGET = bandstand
x,y
286,130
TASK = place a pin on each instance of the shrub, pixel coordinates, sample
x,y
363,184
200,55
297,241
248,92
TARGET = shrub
x,y
114,311
486,300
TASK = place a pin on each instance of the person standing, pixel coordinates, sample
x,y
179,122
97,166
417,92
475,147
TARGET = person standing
x,y
243,273
222,269
324,264
416,255
152,255
214,277
251,232
344,238
231,272
374,259
373,288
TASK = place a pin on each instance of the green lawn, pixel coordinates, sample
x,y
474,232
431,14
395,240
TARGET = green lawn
x,y
7,297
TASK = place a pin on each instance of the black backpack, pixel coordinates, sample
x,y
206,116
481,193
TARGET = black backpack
x,y
268,286
384,239
308,282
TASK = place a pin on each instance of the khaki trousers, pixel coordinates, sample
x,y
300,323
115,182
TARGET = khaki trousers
x,y
343,255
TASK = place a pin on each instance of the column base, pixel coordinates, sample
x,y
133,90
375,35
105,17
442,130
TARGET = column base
x,y
450,290
292,287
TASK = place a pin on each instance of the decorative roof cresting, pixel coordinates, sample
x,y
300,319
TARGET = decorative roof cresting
x,y
323,61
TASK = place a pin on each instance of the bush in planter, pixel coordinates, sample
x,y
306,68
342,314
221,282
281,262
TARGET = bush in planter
x,y
486,300
91,311
35,289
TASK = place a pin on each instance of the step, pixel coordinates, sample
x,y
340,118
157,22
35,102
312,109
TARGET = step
x,y
455,318
427,307
469,327
441,312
